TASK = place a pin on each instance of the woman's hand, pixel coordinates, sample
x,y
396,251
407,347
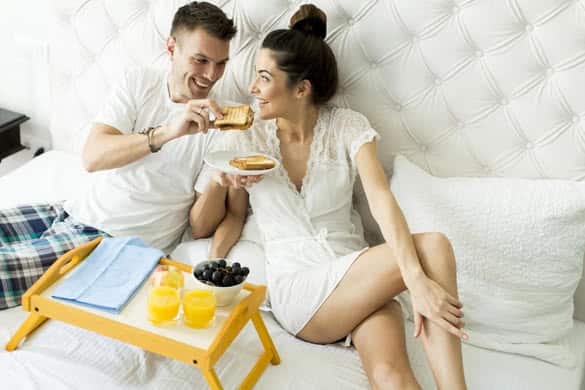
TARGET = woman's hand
x,y
430,300
236,181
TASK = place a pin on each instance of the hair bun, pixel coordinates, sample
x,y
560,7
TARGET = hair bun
x,y
310,20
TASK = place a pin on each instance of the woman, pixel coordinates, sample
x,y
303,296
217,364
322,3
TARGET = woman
x,y
324,281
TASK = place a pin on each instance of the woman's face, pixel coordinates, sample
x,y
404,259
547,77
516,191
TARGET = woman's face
x,y
269,86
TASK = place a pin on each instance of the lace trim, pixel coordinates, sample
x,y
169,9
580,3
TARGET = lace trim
x,y
315,150
366,136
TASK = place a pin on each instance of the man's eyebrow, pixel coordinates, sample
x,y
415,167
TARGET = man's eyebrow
x,y
222,61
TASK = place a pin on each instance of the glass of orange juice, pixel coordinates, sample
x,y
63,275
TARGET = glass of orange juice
x,y
163,305
198,308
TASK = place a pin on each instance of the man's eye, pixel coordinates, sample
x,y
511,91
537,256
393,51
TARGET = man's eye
x,y
201,61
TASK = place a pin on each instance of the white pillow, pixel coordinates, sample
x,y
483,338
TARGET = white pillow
x,y
519,245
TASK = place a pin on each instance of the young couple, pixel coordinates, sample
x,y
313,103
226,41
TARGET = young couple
x,y
325,283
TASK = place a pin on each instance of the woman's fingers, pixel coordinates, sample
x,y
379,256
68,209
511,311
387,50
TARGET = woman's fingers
x,y
455,311
458,322
452,329
454,301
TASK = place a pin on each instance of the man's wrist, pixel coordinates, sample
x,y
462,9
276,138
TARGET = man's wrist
x,y
159,137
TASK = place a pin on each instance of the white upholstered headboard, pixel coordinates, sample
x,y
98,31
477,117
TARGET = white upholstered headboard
x,y
469,87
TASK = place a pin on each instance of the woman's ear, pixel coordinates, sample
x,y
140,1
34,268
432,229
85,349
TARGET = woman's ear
x,y
304,88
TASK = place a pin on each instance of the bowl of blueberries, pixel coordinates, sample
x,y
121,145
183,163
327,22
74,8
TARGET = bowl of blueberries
x,y
221,277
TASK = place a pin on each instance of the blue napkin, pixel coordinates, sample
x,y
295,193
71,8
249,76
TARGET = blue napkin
x,y
111,274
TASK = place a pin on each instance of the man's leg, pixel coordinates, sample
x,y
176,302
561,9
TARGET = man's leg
x,y
26,223
21,264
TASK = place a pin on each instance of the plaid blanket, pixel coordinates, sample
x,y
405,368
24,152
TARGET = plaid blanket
x,y
31,239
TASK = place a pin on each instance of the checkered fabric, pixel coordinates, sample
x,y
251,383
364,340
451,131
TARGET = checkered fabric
x,y
31,239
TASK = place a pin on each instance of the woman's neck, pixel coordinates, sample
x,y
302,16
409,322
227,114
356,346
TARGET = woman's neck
x,y
298,127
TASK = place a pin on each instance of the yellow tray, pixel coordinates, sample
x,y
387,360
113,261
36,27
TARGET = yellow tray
x,y
201,348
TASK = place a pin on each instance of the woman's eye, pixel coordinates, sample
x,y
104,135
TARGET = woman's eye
x,y
264,78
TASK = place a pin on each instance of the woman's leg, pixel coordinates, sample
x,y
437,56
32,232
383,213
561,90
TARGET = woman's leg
x,y
438,343
379,339
372,281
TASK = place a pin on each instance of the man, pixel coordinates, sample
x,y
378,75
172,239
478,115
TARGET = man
x,y
148,144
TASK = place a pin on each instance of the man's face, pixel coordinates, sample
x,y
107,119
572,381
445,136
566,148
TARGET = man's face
x,y
197,61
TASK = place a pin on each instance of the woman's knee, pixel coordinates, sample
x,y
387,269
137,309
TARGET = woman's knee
x,y
434,248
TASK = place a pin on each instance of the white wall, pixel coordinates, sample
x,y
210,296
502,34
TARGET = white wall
x,y
24,84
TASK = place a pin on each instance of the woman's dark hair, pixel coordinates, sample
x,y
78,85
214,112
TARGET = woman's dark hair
x,y
201,14
303,54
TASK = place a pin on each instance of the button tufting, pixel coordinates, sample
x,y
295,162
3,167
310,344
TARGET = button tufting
x,y
398,107
504,102
351,22
576,119
456,9
438,81
529,27
415,39
550,72
373,65
423,148
529,145
479,53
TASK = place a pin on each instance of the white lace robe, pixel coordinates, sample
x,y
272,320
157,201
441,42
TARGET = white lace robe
x,y
310,237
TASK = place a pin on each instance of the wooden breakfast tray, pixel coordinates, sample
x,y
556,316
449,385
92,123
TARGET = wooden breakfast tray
x,y
199,347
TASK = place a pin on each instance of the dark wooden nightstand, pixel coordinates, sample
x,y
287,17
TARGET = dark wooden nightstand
x,y
10,132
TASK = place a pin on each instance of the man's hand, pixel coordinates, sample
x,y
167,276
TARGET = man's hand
x,y
237,181
195,118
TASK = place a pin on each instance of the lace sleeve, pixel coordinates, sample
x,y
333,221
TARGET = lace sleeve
x,y
357,132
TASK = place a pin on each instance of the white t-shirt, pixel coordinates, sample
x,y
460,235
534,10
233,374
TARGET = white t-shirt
x,y
150,197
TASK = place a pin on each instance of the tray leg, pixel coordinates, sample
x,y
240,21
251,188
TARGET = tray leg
x,y
265,338
33,321
212,379
270,355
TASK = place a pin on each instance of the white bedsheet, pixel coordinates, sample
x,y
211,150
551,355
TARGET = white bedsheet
x,y
59,356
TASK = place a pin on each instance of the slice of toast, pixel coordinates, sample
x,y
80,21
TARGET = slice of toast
x,y
235,118
252,163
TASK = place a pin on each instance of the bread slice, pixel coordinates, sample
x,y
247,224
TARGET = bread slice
x,y
252,163
235,118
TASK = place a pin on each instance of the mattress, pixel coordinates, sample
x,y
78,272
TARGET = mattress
x,y
60,356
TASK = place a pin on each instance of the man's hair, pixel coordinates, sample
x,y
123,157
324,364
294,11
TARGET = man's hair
x,y
201,14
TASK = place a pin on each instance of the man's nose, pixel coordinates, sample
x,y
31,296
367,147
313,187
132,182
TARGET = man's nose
x,y
213,72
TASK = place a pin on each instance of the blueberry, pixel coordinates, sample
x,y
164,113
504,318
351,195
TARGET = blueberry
x,y
228,280
238,279
217,276
207,274
245,271
236,271
236,265
222,263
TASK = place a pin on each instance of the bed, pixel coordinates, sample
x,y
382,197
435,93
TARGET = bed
x,y
440,80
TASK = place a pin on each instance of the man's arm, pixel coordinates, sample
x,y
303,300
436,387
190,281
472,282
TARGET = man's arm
x,y
229,230
107,147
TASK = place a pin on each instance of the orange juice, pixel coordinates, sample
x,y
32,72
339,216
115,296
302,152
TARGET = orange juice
x,y
163,305
198,308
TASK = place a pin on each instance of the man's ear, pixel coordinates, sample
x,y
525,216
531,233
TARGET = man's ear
x,y
171,46
304,88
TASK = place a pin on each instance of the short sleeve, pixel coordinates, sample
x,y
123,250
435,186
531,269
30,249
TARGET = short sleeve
x,y
357,132
119,109
205,175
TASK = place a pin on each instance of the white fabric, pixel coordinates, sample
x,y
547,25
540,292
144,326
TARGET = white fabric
x,y
150,197
519,246
310,237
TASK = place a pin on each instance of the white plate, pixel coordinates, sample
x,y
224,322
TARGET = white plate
x,y
221,160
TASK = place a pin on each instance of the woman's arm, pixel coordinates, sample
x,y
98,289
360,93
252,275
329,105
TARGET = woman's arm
x,y
387,213
229,230
429,299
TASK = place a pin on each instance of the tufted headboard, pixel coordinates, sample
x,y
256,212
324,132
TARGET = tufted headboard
x,y
465,87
